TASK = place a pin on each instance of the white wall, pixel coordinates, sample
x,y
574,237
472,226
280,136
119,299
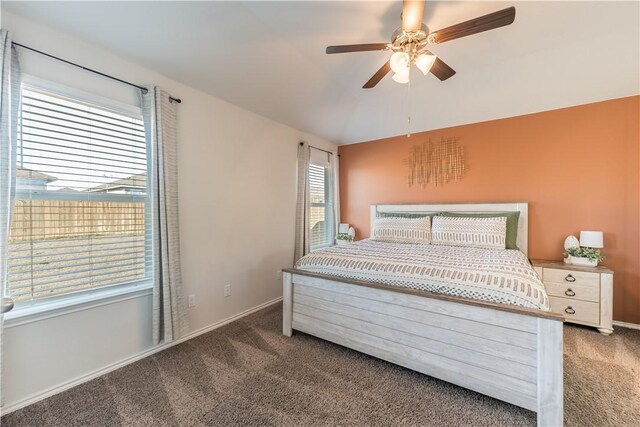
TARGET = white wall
x,y
237,174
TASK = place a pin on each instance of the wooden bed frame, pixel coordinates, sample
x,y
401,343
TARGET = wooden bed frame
x,y
507,352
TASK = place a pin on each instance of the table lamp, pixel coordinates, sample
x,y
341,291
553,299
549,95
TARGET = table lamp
x,y
591,239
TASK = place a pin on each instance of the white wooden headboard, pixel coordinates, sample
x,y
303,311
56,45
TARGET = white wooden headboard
x,y
523,208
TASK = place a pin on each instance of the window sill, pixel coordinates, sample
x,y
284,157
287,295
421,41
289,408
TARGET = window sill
x,y
44,310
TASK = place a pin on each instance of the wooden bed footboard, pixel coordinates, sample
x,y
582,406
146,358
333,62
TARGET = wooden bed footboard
x,y
511,354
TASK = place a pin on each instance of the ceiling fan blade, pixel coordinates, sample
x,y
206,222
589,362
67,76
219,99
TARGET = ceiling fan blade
x,y
412,11
378,76
440,69
474,26
357,47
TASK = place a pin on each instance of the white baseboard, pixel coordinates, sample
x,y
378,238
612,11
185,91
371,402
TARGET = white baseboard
x,y
626,325
95,374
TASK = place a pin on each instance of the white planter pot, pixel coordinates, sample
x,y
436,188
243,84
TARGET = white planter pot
x,y
584,261
342,242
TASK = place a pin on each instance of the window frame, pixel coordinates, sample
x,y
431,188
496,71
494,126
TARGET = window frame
x,y
98,295
328,203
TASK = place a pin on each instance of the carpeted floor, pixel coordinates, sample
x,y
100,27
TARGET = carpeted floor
x,y
247,373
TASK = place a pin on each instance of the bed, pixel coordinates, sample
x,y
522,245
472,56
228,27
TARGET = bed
x,y
472,317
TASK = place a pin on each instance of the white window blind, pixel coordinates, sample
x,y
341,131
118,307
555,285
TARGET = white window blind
x,y
321,233
80,216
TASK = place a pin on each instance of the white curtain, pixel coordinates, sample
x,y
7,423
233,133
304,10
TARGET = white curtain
x,y
9,109
334,160
302,243
169,306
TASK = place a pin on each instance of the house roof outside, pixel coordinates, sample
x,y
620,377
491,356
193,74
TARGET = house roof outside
x,y
24,173
133,182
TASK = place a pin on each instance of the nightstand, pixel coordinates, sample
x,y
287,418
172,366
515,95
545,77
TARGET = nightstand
x,y
582,295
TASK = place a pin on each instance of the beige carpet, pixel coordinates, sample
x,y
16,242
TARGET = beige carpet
x,y
247,373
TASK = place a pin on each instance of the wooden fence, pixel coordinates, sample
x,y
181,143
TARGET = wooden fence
x,y
56,219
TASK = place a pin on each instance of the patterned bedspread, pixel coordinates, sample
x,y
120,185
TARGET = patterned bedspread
x,y
500,276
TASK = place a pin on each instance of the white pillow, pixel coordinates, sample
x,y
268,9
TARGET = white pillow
x,y
488,233
402,230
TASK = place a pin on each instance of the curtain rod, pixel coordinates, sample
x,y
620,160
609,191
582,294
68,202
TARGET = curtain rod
x,y
143,89
311,146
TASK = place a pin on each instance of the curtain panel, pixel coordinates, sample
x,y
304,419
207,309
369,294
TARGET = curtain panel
x,y
302,243
9,110
334,160
169,306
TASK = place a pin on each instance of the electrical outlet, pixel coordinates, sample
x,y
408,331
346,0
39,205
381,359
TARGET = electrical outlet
x,y
227,290
192,301
279,274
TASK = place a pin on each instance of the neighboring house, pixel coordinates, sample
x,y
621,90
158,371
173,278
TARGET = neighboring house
x,y
134,184
27,179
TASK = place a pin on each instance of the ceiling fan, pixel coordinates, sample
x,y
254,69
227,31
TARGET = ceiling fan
x,y
410,42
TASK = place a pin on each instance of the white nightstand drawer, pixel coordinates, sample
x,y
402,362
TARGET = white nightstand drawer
x,y
574,291
570,277
576,311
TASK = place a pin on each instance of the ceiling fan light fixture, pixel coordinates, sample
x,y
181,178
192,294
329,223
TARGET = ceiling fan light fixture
x,y
410,42
399,62
402,76
424,62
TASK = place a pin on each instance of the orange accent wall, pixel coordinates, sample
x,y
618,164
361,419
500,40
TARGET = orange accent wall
x,y
578,168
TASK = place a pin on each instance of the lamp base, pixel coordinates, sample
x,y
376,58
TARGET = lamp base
x,y
583,261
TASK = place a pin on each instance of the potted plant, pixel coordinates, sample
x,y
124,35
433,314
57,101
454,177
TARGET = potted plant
x,y
581,255
343,238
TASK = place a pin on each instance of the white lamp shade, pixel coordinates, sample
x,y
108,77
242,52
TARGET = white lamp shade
x,y
402,76
424,62
591,239
399,61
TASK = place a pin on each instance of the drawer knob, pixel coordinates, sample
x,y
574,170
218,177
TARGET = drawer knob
x,y
570,278
569,310
569,292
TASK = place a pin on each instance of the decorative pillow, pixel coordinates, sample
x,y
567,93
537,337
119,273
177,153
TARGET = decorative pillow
x,y
402,230
488,233
512,223
403,215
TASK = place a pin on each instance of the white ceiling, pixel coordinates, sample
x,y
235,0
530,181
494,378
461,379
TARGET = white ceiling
x,y
268,57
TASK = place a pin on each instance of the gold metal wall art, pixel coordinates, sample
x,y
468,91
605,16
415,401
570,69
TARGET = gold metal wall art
x,y
435,162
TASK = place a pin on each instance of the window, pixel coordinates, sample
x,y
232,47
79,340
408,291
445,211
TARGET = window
x,y
321,207
80,219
